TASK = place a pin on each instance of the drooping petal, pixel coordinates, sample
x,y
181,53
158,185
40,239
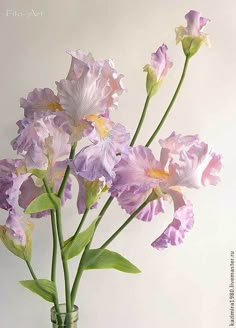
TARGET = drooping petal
x,y
99,159
11,180
96,161
181,224
15,229
137,175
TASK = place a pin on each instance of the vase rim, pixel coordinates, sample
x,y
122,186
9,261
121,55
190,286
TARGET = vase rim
x,y
63,305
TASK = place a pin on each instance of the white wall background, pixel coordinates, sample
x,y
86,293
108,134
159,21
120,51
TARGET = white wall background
x,y
181,287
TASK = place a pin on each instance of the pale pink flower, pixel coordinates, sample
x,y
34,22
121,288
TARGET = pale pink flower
x,y
185,162
91,88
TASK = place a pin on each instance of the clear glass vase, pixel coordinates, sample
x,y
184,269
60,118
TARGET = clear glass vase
x,y
62,319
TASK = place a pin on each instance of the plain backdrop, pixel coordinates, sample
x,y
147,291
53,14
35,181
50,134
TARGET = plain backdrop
x,y
181,287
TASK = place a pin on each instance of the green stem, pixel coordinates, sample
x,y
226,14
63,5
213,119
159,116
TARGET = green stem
x,y
141,119
67,172
54,252
102,212
81,223
122,227
61,243
80,267
64,261
31,270
171,103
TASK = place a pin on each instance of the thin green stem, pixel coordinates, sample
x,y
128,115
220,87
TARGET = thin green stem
x,y
102,212
81,223
64,261
122,227
171,103
80,267
31,270
61,243
54,251
144,112
36,280
67,172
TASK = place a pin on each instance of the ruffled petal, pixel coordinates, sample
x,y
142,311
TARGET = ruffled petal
x,y
181,224
210,175
131,200
98,160
10,183
91,88
42,141
191,163
40,100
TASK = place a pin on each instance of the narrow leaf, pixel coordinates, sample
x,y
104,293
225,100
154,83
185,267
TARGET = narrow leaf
x,y
74,245
42,287
42,203
105,259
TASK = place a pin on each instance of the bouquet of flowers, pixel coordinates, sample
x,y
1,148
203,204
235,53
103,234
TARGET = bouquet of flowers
x,y
50,158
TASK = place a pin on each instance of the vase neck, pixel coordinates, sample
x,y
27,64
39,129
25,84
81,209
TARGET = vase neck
x,y
62,319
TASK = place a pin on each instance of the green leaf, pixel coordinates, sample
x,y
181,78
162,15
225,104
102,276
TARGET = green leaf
x,y
74,245
42,203
42,287
105,259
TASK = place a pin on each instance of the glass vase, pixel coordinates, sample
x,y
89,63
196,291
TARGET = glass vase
x,y
62,319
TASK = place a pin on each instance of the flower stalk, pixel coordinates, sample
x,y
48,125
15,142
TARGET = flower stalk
x,y
153,136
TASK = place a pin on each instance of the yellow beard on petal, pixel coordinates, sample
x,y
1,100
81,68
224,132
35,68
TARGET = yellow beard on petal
x,y
54,106
21,169
157,174
99,123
